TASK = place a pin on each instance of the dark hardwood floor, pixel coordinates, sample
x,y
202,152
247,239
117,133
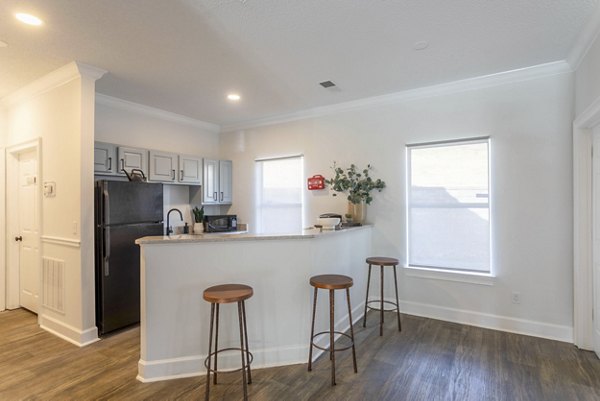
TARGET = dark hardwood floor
x,y
430,360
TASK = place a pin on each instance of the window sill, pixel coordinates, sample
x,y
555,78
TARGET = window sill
x,y
447,275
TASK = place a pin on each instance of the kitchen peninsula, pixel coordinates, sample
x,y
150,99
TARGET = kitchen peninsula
x,y
175,270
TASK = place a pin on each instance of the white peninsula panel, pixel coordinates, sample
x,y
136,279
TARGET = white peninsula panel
x,y
175,271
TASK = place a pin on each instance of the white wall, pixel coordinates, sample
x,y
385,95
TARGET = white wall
x,y
128,124
530,126
56,109
587,78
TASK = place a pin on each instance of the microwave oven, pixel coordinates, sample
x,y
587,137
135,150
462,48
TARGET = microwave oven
x,y
221,223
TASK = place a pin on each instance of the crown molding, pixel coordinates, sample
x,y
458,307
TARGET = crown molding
x,y
486,81
52,80
585,40
154,112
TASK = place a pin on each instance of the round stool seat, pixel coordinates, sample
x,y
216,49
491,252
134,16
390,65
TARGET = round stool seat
x,y
382,261
226,293
331,281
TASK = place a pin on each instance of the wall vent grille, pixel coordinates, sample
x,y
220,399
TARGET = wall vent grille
x,y
53,284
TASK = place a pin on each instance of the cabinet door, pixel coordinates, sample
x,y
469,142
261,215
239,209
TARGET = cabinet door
x,y
163,166
210,183
225,187
190,169
130,158
105,158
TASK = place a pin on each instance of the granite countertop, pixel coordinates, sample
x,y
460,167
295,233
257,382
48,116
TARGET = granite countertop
x,y
240,236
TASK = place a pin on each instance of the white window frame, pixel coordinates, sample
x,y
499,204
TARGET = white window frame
x,y
258,186
442,273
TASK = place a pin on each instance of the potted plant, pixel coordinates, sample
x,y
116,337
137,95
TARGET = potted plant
x,y
358,185
198,220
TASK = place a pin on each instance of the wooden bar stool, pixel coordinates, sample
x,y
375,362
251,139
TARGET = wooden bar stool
x,y
331,282
224,294
381,262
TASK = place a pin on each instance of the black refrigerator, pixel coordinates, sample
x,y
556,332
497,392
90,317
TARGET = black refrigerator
x,y
124,212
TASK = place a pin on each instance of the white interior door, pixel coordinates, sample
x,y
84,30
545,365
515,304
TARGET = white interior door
x,y
28,231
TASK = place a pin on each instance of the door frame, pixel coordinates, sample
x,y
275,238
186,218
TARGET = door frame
x,y
583,294
12,248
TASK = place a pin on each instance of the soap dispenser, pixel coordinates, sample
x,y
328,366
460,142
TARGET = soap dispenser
x,y
186,229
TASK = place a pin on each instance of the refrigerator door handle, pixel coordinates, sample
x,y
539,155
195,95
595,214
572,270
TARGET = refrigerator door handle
x,y
106,253
106,206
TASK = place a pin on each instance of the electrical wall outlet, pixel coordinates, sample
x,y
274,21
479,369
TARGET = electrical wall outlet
x,y
516,298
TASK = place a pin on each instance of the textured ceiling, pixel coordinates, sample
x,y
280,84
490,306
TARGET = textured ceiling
x,y
185,55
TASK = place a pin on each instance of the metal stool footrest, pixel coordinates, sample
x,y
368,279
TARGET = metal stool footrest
x,y
385,302
249,359
336,348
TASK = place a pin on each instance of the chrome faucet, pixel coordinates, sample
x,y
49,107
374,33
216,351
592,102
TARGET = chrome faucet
x,y
169,228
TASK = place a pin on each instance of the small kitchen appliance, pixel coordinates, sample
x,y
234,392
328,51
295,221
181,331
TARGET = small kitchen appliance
x,y
220,223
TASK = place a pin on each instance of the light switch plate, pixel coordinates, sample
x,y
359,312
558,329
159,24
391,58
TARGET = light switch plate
x,y
49,189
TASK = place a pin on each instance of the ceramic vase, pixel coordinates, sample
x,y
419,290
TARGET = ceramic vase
x,y
198,228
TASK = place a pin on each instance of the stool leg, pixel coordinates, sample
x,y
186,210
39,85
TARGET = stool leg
x,y
332,335
312,331
397,301
243,352
212,318
367,297
351,329
216,345
381,306
246,337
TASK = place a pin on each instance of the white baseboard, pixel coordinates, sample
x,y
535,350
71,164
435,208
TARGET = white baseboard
x,y
80,338
166,369
176,368
489,321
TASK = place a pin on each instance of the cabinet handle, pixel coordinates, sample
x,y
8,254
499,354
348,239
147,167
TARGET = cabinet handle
x,y
215,197
110,163
180,175
122,164
19,238
173,175
221,196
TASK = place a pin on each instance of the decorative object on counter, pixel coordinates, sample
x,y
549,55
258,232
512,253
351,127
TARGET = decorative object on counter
x,y
328,223
198,220
358,185
348,217
135,175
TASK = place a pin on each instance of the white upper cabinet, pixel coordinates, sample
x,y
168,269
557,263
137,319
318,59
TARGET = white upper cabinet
x,y
210,184
133,158
174,168
217,185
190,169
163,166
225,187
105,158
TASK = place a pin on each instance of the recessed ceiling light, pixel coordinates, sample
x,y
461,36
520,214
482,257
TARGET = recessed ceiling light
x,y
3,44
29,19
422,45
234,97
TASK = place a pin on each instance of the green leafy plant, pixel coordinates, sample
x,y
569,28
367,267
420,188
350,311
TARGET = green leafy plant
x,y
198,214
357,184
